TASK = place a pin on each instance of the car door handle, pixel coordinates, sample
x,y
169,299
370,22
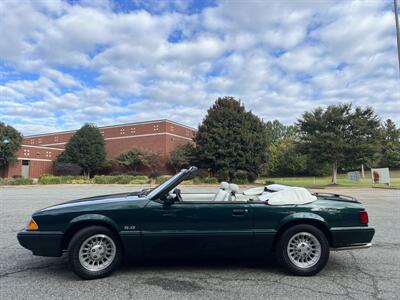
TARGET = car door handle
x,y
239,212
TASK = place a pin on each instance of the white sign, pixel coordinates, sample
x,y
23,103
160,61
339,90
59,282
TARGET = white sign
x,y
380,175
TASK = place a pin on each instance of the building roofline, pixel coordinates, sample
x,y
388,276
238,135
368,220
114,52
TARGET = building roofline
x,y
112,126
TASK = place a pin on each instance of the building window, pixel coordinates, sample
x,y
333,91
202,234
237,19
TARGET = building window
x,y
187,132
155,127
133,130
32,142
171,128
26,152
48,153
56,138
102,133
122,131
39,140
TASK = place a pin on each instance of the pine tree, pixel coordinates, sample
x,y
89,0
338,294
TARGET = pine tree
x,y
230,140
86,148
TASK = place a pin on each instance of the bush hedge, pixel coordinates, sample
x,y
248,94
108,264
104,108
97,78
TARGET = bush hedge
x,y
102,179
15,181
120,179
162,179
51,179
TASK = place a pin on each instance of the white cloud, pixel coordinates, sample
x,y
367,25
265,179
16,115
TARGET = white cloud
x,y
93,64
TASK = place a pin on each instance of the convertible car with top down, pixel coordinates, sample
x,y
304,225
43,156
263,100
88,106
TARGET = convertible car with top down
x,y
289,223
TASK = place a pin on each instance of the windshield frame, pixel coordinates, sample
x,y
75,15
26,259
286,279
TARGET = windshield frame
x,y
172,182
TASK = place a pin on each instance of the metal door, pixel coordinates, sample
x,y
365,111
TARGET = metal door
x,y
25,168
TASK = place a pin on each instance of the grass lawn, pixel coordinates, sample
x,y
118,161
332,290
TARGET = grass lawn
x,y
324,181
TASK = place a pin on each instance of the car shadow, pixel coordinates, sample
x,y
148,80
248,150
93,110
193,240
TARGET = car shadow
x,y
62,270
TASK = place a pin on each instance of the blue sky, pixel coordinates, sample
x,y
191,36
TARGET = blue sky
x,y
64,63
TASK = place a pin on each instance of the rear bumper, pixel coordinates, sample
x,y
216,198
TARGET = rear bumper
x,y
353,247
42,243
352,237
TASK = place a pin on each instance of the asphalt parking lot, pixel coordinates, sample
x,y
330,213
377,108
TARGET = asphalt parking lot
x,y
359,274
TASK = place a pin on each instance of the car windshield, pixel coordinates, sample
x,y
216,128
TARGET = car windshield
x,y
165,184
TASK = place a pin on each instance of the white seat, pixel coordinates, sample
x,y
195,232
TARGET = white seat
x,y
223,192
234,188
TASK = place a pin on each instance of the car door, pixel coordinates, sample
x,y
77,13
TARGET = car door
x,y
198,228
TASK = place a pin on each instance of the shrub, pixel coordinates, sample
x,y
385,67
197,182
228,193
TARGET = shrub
x,y
267,182
222,175
50,179
251,177
210,180
241,177
15,181
202,173
207,180
62,169
154,175
161,179
121,179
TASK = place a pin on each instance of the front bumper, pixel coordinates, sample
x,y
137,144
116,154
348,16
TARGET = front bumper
x,y
351,236
42,243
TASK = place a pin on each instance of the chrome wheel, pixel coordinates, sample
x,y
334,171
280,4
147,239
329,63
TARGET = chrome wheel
x,y
304,250
97,252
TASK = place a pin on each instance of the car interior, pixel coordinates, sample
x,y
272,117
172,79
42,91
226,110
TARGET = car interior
x,y
272,194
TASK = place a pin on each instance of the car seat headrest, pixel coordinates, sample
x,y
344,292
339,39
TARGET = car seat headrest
x,y
234,188
224,185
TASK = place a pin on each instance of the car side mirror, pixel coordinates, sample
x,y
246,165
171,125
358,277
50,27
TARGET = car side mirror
x,y
169,200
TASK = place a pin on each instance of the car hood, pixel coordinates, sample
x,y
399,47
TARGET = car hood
x,y
101,197
95,200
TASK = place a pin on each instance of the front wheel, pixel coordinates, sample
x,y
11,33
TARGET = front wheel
x,y
94,252
303,250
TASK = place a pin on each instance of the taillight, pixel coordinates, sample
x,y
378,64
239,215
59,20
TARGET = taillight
x,y
363,217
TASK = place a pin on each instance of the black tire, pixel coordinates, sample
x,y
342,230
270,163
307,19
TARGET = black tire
x,y
283,256
74,248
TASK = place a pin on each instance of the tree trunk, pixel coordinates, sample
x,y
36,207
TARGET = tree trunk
x,y
334,173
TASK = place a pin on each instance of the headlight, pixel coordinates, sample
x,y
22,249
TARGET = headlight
x,y
32,225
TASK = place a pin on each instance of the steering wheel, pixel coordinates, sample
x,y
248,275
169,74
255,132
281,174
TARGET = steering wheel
x,y
178,195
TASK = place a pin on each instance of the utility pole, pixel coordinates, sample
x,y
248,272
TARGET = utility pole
x,y
396,15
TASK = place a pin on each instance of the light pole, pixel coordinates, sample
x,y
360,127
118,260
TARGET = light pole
x,y
396,15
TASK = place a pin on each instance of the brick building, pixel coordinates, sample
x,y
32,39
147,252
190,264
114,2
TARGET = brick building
x,y
36,155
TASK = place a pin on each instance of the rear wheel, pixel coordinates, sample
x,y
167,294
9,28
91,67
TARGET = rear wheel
x,y
303,250
94,252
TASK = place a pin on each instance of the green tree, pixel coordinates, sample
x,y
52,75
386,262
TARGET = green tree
x,y
182,156
10,142
86,148
340,135
285,160
231,139
151,159
390,154
276,131
280,139
131,159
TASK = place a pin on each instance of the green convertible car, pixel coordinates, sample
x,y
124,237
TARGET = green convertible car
x,y
297,227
